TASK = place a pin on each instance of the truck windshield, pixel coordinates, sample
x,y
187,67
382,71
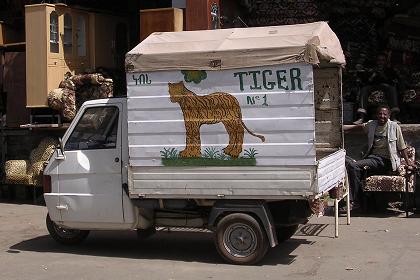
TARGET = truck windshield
x,y
96,129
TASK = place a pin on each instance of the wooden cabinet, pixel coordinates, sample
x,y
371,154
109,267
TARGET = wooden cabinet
x,y
9,35
202,14
61,39
160,20
14,86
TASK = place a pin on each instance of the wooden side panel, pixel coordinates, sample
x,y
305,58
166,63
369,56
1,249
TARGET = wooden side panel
x,y
15,88
328,110
36,55
160,20
55,75
104,49
2,34
8,35
198,14
81,54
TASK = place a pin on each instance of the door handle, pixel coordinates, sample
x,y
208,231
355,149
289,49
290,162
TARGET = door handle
x,y
62,207
117,159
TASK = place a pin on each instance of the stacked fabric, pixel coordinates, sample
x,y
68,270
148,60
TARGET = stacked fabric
x,y
29,172
75,90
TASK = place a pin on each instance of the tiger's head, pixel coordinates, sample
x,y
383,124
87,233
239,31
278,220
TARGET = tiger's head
x,y
176,91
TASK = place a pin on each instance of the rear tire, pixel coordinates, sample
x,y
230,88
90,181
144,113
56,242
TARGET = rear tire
x,y
240,239
284,233
65,236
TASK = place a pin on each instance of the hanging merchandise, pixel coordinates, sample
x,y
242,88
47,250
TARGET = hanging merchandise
x,y
75,90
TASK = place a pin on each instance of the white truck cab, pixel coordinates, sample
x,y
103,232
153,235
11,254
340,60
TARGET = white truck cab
x,y
88,171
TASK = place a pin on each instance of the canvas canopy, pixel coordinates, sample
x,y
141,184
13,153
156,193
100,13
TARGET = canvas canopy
x,y
236,48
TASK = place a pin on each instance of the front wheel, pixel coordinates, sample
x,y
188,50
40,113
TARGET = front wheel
x,y
63,235
240,240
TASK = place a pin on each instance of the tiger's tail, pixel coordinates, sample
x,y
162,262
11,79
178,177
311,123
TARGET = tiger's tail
x,y
252,133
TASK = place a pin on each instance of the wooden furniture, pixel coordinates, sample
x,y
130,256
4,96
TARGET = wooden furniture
x,y
61,39
160,20
29,172
401,181
14,87
202,14
8,35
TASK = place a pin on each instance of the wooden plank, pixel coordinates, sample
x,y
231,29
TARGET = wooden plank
x,y
36,54
198,15
15,87
160,20
328,114
46,125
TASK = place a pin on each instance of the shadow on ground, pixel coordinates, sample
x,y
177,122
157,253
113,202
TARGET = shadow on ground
x,y
384,212
312,230
177,246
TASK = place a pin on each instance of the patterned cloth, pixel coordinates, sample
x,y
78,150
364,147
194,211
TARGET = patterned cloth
x,y
29,172
75,90
377,97
318,206
393,182
339,191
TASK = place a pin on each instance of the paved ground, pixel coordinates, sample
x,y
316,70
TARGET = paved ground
x,y
386,247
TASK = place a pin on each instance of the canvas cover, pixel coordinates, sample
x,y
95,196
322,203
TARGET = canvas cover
x,y
236,48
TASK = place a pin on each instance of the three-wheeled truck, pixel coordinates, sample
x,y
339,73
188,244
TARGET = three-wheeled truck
x,y
235,130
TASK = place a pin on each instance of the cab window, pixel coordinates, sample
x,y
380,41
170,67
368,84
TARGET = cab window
x,y
96,129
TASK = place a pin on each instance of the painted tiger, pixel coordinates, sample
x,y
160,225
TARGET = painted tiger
x,y
209,109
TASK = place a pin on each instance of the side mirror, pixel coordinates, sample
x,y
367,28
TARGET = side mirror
x,y
60,150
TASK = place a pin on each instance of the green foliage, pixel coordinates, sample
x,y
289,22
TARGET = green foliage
x,y
223,156
211,152
209,162
194,76
211,156
250,153
169,153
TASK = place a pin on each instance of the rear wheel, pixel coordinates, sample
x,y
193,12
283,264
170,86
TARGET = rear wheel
x,y
285,232
64,235
240,239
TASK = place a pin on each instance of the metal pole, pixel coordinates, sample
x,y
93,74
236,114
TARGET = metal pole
x,y
336,216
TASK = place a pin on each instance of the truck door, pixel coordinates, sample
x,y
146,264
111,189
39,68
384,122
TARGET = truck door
x,y
90,175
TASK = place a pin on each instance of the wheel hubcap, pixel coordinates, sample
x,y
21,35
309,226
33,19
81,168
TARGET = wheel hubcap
x,y
240,240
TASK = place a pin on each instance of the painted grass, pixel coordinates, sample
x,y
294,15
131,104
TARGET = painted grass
x,y
211,156
208,162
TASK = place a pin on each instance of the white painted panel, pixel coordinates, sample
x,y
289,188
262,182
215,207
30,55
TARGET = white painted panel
x,y
283,112
286,154
331,170
274,99
285,117
224,81
255,125
227,173
274,150
210,137
261,161
229,181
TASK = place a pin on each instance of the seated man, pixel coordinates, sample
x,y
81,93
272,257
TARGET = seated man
x,y
380,78
385,141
